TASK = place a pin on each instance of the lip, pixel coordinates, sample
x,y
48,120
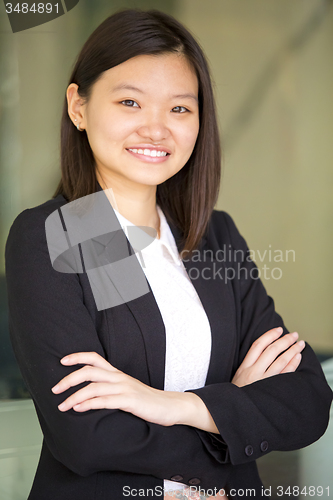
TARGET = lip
x,y
150,159
151,147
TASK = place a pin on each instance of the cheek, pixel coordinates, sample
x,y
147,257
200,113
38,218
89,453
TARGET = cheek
x,y
97,131
187,136
108,126
118,129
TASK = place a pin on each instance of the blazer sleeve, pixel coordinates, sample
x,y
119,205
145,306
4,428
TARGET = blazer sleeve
x,y
283,412
48,319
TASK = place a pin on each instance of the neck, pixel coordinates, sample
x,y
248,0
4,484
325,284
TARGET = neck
x,y
136,205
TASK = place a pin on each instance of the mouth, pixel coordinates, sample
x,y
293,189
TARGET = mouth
x,y
149,155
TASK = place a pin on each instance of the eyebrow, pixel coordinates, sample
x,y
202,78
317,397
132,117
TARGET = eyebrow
x,y
125,86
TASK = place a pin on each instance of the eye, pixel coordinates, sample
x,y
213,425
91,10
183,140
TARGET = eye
x,y
131,105
181,107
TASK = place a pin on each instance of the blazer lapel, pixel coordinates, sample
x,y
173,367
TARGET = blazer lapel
x,y
149,319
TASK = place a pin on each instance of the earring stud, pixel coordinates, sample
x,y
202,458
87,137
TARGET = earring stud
x,y
78,126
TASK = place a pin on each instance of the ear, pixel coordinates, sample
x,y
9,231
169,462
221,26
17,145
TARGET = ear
x,y
75,106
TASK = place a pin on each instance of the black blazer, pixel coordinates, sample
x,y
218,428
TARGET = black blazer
x,y
104,454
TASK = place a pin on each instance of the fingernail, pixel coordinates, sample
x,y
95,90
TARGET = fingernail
x,y
279,329
55,388
62,406
301,343
295,335
65,359
298,356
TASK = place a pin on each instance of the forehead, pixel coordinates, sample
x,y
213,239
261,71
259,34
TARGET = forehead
x,y
163,73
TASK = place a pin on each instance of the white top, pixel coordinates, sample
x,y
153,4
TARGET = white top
x,y
187,329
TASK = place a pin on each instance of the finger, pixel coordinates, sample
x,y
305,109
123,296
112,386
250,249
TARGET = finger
x,y
282,361
113,402
93,390
87,358
259,345
86,374
274,350
293,364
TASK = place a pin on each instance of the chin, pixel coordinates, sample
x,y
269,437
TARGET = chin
x,y
153,180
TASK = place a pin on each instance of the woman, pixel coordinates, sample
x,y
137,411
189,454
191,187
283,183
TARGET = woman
x,y
183,384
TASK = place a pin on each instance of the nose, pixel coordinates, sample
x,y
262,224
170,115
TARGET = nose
x,y
154,127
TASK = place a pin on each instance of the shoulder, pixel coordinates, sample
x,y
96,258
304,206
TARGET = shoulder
x,y
32,220
221,220
28,228
221,227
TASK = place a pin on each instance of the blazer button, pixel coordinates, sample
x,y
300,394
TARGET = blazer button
x,y
177,478
249,450
264,446
195,480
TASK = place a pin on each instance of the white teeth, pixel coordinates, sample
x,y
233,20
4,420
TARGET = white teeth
x,y
149,152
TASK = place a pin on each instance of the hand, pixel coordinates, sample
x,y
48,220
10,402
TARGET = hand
x,y
261,360
111,388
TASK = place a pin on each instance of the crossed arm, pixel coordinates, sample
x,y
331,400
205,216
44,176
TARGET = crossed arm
x,y
110,388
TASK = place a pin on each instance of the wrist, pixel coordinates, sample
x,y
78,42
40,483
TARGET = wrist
x,y
194,412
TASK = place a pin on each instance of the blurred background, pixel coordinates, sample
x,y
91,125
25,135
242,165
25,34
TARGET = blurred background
x,y
272,67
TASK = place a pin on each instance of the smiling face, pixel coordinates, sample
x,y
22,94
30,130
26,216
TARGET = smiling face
x,y
142,120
